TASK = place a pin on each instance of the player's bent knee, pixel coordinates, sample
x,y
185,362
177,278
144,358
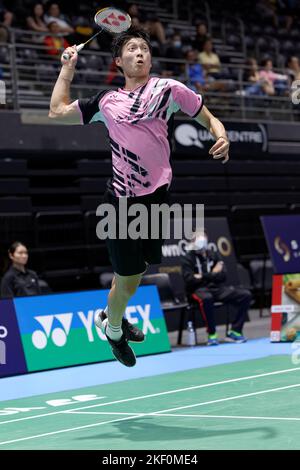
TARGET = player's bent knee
x,y
127,285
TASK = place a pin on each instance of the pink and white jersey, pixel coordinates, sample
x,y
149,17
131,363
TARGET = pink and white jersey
x,y
139,124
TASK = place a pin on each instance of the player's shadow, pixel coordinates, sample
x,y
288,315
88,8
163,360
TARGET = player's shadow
x,y
146,429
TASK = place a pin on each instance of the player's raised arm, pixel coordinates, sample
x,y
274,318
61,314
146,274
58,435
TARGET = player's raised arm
x,y
60,107
221,148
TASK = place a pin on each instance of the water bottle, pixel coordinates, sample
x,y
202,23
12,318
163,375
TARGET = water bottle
x,y
191,334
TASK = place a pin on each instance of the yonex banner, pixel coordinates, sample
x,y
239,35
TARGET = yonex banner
x,y
58,330
12,361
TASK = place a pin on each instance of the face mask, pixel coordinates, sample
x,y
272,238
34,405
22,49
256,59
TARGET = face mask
x,y
201,243
177,43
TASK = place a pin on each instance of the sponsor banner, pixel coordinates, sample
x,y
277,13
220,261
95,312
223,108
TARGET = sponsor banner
x,y
219,239
12,360
245,139
282,233
59,330
285,325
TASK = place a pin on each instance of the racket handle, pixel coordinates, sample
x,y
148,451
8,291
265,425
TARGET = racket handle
x,y
67,56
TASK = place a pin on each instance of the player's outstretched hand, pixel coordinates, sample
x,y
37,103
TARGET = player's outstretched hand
x,y
220,149
73,57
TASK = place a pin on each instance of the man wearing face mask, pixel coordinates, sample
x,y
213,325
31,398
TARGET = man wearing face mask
x,y
204,274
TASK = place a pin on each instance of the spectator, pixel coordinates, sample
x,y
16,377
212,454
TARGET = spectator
x,y
19,281
150,22
55,44
35,21
210,60
260,86
54,14
201,37
278,81
267,11
174,51
6,19
293,68
198,80
135,22
289,10
204,274
195,72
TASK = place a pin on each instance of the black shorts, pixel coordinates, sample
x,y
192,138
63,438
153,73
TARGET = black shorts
x,y
128,256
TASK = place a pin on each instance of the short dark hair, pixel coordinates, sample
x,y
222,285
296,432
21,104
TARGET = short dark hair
x,y
120,40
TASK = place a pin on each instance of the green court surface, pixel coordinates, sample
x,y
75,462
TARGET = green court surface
x,y
244,405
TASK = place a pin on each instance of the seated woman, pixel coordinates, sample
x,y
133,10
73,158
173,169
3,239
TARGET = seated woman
x,y
35,21
150,22
279,81
6,19
198,80
210,60
201,37
260,85
19,281
54,14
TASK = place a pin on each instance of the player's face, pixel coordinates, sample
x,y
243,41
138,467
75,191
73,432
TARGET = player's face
x,y
136,58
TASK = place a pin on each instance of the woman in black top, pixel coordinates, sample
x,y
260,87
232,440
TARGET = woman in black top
x,y
19,281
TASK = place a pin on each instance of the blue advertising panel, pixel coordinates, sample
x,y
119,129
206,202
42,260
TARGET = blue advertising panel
x,y
12,360
282,233
59,330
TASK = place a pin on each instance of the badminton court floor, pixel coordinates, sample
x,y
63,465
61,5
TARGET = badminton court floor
x,y
251,404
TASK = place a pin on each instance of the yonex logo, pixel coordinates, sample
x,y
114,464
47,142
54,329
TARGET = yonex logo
x,y
55,329
3,334
59,335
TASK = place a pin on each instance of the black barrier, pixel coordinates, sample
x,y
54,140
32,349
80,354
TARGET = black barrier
x,y
249,139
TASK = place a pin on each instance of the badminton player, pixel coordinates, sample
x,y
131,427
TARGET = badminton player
x,y
139,120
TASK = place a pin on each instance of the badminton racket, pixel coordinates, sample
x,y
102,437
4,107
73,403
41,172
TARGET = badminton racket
x,y
110,19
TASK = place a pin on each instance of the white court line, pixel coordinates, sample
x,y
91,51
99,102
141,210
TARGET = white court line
x,y
221,400
67,430
156,413
143,397
228,417
102,413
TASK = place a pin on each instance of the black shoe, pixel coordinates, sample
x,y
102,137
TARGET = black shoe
x,y
122,351
132,333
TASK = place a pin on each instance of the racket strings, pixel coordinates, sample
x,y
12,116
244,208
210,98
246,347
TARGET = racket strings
x,y
113,20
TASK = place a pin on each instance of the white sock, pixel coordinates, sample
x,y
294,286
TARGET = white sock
x,y
114,332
